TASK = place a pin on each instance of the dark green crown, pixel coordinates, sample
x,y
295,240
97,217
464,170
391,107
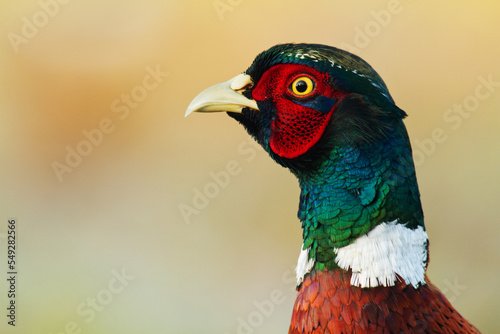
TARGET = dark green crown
x,y
361,172
350,72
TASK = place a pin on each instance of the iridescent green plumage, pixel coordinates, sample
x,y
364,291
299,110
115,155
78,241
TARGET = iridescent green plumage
x,y
363,260
356,188
361,172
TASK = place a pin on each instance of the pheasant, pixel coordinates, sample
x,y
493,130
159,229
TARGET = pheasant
x,y
327,116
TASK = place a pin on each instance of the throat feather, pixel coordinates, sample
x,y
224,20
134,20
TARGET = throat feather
x,y
304,264
389,252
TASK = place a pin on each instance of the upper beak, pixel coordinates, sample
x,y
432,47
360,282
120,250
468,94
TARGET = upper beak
x,y
226,96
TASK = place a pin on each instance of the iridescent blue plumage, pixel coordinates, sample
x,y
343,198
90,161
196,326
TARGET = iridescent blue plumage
x,y
360,173
356,188
328,117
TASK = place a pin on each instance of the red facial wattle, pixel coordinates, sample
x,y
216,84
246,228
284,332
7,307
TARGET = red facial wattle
x,y
298,122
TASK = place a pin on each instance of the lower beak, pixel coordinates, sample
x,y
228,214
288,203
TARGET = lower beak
x,y
226,96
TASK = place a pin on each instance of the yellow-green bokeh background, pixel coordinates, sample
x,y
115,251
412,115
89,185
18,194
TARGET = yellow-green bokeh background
x,y
120,207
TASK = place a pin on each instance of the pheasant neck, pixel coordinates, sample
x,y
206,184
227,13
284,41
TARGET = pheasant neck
x,y
360,210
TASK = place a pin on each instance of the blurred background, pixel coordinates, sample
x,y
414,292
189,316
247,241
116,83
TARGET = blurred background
x,y
126,222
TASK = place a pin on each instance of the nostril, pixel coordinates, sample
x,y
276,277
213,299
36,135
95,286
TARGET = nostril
x,y
241,81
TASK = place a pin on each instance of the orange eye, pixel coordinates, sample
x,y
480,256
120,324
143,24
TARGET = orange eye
x,y
302,86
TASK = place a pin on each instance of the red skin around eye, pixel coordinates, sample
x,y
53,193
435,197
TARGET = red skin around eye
x,y
294,128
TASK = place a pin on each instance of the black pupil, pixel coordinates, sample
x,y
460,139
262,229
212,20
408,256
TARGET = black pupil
x,y
301,86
